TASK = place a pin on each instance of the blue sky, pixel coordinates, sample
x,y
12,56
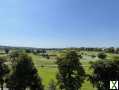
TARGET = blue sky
x,y
59,23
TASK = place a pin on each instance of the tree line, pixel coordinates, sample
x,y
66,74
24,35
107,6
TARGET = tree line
x,y
44,50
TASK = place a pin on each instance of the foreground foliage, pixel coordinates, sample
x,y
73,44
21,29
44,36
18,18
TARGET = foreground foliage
x,y
71,74
103,73
24,75
4,70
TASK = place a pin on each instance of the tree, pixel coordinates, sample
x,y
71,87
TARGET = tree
x,y
102,55
28,50
25,75
80,56
4,70
7,50
103,73
115,57
71,73
52,85
93,56
14,57
111,50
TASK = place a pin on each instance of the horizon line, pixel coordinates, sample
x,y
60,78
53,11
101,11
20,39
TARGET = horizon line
x,y
15,46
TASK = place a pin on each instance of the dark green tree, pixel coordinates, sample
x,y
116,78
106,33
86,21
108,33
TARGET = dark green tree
x,y
80,56
103,73
110,50
115,57
28,50
93,56
14,57
4,70
102,55
71,73
25,75
7,50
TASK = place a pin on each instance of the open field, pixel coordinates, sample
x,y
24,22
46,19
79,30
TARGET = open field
x,y
47,72
47,68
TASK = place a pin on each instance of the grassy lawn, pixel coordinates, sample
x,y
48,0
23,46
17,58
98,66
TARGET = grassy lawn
x,y
87,86
39,60
49,73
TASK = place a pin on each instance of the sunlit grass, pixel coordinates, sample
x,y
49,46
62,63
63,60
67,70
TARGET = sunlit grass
x,y
49,73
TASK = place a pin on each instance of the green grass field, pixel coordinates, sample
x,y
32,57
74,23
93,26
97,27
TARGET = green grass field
x,y
47,68
49,73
